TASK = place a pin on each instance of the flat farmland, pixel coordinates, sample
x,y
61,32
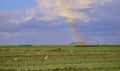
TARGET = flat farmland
x,y
60,58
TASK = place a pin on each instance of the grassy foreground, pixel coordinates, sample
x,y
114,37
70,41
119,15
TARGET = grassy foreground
x,y
60,58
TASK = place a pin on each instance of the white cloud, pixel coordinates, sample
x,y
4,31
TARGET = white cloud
x,y
47,10
44,10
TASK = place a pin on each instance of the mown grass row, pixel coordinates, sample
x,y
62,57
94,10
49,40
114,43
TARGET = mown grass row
x,y
59,58
68,69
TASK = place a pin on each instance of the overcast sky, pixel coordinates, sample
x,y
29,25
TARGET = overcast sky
x,y
49,21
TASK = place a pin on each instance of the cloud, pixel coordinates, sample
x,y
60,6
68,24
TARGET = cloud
x,y
46,22
10,17
48,10
5,35
44,10
46,37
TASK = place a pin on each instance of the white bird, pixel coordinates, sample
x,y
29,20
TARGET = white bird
x,y
71,51
15,59
39,53
46,57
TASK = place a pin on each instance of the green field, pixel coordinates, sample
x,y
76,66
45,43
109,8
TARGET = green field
x,y
60,58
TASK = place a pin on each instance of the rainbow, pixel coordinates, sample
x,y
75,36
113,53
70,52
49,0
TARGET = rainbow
x,y
74,31
64,12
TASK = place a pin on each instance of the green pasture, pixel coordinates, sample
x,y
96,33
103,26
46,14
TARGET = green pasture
x,y
60,58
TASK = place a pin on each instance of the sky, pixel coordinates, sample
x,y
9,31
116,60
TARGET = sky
x,y
59,21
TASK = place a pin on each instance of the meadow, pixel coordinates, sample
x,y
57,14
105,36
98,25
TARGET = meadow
x,y
60,58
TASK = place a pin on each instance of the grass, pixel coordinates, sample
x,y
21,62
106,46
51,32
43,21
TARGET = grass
x,y
60,58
